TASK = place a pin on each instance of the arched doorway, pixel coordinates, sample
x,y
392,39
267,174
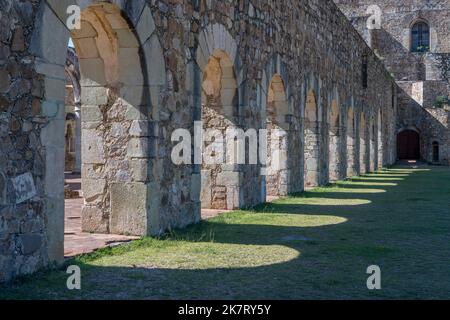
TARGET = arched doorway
x,y
220,185
334,148
408,145
277,128
312,141
116,111
350,143
436,154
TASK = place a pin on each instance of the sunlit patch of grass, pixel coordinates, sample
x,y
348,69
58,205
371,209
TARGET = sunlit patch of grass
x,y
342,189
325,201
317,244
200,256
367,184
377,178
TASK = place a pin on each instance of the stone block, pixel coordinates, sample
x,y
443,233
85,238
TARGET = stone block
x,y
92,147
129,209
205,190
91,113
86,31
142,170
156,65
92,75
86,48
228,178
138,148
131,73
30,243
139,128
146,25
126,39
5,80
94,95
93,190
93,220
55,89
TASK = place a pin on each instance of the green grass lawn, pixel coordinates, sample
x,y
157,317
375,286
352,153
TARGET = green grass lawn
x,y
316,245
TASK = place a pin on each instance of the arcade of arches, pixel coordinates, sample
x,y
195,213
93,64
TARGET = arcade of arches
x,y
147,71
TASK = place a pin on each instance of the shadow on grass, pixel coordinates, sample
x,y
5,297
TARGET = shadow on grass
x,y
251,255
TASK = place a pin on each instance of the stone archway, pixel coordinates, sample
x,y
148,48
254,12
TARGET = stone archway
x,y
334,142
277,138
408,145
117,110
220,180
351,168
312,141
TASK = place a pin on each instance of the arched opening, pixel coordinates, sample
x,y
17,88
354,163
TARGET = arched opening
x,y
113,105
436,154
220,186
312,141
362,145
277,144
350,142
334,142
420,37
408,145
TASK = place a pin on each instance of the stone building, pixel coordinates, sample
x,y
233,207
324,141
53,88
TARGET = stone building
x,y
413,41
149,68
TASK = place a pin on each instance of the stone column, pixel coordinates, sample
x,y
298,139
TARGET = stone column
x,y
312,151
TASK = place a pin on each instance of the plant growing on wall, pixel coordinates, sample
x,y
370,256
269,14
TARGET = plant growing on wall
x,y
441,101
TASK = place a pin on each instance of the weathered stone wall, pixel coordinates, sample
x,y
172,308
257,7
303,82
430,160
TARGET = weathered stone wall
x,y
423,77
310,45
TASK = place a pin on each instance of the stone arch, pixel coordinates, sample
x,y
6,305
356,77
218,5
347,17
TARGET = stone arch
x,y
362,144
277,138
435,152
120,86
351,130
334,143
408,144
312,140
237,180
220,176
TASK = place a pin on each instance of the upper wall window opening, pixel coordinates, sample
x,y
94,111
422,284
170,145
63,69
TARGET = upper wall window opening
x,y
420,37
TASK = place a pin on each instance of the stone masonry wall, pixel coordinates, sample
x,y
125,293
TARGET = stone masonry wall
x,y
422,77
309,44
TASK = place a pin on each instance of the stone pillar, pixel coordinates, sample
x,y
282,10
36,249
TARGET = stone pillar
x,y
351,170
334,154
312,152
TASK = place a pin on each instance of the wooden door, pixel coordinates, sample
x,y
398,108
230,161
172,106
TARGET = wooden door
x,y
408,145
